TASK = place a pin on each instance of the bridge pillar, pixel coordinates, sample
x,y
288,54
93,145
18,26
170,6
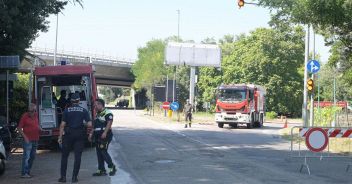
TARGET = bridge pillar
x,y
133,100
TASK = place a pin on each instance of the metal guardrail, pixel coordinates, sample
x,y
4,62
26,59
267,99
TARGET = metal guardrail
x,y
298,148
82,57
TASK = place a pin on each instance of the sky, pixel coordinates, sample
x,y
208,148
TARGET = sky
x,y
117,28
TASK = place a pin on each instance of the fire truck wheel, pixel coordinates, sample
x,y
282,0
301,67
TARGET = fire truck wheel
x,y
251,122
221,125
233,125
249,125
261,120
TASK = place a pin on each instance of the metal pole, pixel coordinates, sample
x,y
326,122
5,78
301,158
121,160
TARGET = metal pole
x,y
7,97
192,84
167,88
305,92
334,122
318,81
311,122
57,27
175,70
167,92
178,26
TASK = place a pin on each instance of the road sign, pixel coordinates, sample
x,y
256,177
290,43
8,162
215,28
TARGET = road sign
x,y
166,105
174,106
313,66
317,139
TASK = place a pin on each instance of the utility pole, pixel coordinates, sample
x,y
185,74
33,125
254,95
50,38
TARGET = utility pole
x,y
311,112
57,28
175,70
7,97
305,92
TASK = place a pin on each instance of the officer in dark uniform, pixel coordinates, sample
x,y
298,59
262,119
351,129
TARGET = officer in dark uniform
x,y
102,137
72,136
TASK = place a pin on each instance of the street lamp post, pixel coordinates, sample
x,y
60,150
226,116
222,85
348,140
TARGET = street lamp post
x,y
178,39
57,27
305,92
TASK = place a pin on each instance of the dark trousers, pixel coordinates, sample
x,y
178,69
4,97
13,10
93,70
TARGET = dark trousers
x,y
188,116
73,140
102,153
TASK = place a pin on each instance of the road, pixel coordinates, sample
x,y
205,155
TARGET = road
x,y
148,151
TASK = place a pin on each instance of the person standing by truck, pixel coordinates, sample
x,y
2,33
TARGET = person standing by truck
x,y
29,129
73,136
187,110
102,137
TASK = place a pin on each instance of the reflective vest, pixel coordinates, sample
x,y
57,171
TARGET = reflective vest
x,y
100,122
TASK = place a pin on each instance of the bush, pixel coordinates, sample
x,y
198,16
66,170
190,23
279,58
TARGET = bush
x,y
271,115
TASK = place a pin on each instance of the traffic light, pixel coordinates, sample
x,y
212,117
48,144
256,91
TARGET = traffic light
x,y
310,85
240,3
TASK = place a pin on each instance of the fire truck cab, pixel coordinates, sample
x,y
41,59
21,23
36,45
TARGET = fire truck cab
x,y
240,104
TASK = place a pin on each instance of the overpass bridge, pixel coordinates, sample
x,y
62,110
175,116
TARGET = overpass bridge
x,y
108,71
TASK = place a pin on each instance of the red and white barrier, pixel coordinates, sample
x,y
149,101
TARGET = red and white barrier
x,y
332,132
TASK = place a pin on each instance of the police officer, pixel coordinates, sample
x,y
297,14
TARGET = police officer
x,y
102,136
72,136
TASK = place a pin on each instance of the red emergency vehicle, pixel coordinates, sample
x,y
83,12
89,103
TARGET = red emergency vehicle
x,y
48,81
240,104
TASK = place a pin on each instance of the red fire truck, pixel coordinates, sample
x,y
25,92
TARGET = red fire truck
x,y
49,81
240,104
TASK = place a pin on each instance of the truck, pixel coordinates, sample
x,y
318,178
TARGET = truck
x,y
240,104
48,82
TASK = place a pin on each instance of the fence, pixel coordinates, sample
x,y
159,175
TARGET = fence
x,y
321,142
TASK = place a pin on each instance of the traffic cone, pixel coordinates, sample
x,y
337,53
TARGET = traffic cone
x,y
285,125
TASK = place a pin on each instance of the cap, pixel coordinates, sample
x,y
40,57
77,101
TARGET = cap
x,y
75,97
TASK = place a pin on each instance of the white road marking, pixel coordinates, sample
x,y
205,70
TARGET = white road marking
x,y
121,176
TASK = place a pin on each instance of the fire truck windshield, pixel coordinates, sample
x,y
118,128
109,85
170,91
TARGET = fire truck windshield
x,y
232,95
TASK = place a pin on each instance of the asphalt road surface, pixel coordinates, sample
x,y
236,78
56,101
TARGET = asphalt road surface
x,y
147,151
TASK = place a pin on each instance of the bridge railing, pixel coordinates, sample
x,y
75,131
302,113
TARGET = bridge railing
x,y
81,56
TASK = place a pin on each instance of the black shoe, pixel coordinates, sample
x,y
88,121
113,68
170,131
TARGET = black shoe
x,y
185,125
74,179
62,180
190,125
112,171
100,173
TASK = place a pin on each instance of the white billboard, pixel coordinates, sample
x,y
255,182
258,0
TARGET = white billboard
x,y
192,54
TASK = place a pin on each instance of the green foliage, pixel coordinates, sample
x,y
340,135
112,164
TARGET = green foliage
x,y
271,115
21,20
149,68
19,104
332,19
267,57
110,93
324,116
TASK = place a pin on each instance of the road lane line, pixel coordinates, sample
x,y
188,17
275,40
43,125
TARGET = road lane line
x,y
121,176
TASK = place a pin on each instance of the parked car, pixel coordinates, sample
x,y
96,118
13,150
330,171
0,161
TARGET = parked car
x,y
123,103
2,158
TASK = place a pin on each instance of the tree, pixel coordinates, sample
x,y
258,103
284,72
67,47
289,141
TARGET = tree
x,y
110,93
332,18
21,21
268,57
19,104
149,68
